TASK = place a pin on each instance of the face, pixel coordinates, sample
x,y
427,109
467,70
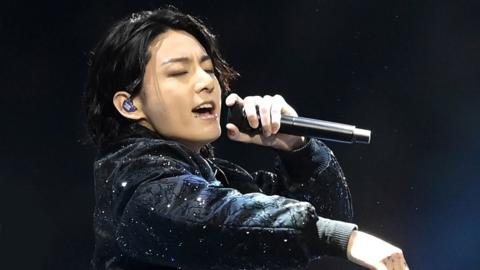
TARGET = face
x,y
181,96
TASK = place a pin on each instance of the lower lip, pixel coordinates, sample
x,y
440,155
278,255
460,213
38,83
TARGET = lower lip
x,y
206,116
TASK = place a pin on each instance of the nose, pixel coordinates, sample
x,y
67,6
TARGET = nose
x,y
204,81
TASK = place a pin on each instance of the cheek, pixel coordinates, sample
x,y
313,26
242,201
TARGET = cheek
x,y
168,110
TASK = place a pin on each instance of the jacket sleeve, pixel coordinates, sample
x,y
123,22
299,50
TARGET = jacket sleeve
x,y
186,221
310,174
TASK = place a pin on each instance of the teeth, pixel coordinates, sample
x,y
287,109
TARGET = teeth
x,y
204,106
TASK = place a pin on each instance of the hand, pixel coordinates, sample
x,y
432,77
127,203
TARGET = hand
x,y
271,109
373,253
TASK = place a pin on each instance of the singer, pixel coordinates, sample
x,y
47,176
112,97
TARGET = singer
x,y
163,201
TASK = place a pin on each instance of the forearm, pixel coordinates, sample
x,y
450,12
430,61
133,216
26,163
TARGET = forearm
x,y
313,174
268,230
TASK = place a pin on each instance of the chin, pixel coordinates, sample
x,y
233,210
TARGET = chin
x,y
214,136
204,138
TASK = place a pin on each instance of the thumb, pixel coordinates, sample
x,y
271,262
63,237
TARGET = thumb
x,y
232,131
234,134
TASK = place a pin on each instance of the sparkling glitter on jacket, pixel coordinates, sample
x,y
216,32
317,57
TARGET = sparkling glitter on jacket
x,y
161,206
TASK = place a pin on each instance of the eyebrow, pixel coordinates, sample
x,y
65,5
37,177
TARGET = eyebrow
x,y
184,60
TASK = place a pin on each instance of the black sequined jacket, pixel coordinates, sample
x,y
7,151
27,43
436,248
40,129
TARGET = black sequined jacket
x,y
161,206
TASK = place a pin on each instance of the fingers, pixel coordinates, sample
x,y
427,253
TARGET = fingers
x,y
276,112
265,115
374,253
399,261
250,107
396,261
404,265
389,263
264,112
269,110
232,99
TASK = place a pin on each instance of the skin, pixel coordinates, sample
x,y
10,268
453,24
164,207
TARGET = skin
x,y
179,77
373,253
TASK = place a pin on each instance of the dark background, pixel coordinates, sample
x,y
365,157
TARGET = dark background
x,y
407,70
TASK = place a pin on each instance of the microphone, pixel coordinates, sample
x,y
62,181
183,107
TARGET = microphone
x,y
302,126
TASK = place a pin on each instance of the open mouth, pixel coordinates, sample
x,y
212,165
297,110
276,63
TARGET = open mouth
x,y
206,110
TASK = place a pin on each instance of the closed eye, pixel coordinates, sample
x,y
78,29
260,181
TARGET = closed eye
x,y
178,74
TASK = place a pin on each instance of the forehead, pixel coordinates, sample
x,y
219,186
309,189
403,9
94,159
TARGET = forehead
x,y
175,43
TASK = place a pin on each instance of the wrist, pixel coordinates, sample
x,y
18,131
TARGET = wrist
x,y
351,240
335,234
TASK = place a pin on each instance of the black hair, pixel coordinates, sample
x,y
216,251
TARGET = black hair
x,y
119,60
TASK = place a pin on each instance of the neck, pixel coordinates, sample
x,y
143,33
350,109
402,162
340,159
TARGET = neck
x,y
193,146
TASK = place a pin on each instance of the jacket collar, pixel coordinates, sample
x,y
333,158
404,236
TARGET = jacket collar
x,y
135,132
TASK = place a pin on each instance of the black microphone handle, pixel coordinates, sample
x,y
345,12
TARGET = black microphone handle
x,y
302,126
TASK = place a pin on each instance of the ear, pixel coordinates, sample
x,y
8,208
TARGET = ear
x,y
120,98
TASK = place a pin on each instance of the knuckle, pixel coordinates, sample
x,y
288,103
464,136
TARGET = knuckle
x,y
233,96
397,255
264,109
275,110
265,121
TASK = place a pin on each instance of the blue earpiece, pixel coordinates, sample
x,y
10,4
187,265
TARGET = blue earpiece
x,y
128,106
